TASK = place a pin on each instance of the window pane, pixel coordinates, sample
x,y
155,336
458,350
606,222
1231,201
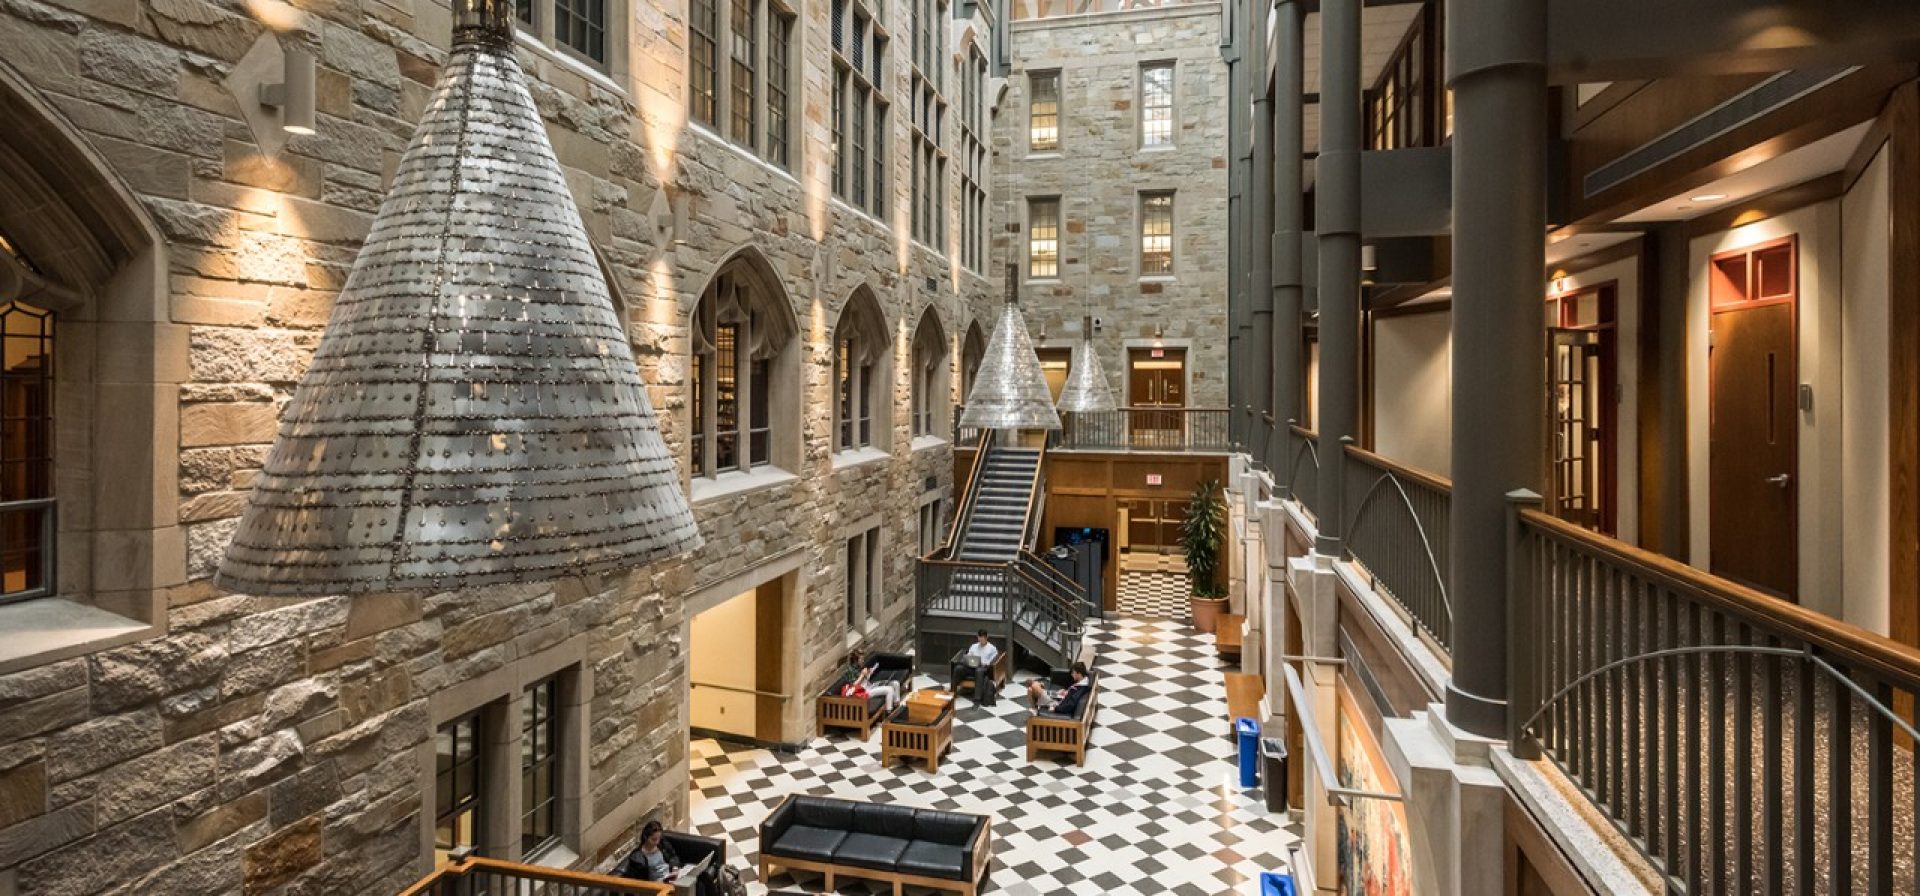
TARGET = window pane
x,y
879,159
1043,238
1043,109
1156,105
857,138
779,33
839,121
746,27
697,376
582,26
761,425
1156,233
726,396
26,447
703,22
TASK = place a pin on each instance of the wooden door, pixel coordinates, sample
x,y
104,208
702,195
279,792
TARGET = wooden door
x,y
1753,424
1157,378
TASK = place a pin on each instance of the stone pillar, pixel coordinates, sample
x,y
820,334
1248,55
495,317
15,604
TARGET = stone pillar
x,y
1337,216
1497,69
1289,85
1239,316
1259,238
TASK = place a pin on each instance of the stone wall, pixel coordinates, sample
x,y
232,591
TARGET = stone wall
x,y
1098,173
256,745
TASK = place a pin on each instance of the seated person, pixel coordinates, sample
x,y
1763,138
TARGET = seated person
x,y
977,663
863,685
653,859
1067,701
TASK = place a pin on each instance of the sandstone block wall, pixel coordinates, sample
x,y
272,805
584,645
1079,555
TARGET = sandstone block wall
x,y
255,745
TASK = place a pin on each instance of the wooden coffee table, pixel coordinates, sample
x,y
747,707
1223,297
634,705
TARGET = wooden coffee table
x,y
921,728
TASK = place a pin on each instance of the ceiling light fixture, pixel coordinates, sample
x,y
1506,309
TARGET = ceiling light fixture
x,y
1707,197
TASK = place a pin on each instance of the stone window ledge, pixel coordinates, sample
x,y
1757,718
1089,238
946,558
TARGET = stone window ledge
x,y
848,458
1159,278
1046,154
743,152
37,632
925,443
533,44
734,482
554,855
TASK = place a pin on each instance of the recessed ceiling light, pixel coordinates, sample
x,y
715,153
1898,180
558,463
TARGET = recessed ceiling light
x,y
1708,197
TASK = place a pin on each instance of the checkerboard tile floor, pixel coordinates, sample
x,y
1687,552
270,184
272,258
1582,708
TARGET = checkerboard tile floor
x,y
1153,595
1156,810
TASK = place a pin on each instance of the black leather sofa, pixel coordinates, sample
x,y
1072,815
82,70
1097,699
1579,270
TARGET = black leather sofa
x,y
877,841
688,848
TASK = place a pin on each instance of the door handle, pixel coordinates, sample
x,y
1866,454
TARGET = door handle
x,y
1780,480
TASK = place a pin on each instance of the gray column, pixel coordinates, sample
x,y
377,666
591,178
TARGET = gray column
x,y
1497,69
1337,217
1289,87
1259,237
1238,314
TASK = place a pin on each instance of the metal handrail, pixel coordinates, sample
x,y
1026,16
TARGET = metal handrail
x,y
1386,562
967,495
734,689
1302,716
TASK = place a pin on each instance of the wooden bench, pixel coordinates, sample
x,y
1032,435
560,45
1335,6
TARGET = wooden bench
x,y
1063,735
1243,696
1226,635
862,713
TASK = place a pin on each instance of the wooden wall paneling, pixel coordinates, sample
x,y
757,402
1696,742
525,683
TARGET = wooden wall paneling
x,y
1903,369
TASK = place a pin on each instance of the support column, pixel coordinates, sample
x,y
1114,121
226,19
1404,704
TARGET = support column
x,y
1337,215
1289,88
1497,69
1259,238
1239,315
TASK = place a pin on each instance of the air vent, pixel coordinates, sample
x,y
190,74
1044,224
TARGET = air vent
x,y
1742,109
931,483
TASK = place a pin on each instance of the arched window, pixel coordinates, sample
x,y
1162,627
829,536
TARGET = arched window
x,y
27,552
743,351
860,354
932,393
972,352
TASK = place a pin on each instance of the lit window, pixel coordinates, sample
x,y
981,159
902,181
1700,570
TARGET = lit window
x,y
860,350
738,332
26,451
930,386
1156,104
1156,233
1043,238
1043,111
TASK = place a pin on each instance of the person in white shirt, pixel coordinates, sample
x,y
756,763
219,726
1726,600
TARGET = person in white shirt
x,y
977,664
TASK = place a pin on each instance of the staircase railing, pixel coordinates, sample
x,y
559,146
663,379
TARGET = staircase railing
x,y
1397,532
1741,743
969,493
473,875
1302,479
1146,429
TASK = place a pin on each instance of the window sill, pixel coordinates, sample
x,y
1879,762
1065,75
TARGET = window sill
x,y
1043,155
1159,278
924,443
734,482
45,630
554,855
849,458
534,44
743,152
852,209
1167,148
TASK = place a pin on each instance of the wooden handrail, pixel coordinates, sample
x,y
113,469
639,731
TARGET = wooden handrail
x,y
473,864
1039,471
1889,658
1437,483
967,494
963,564
1304,433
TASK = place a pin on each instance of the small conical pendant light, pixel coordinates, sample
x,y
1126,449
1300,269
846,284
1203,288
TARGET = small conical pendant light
x,y
473,414
1010,392
1086,389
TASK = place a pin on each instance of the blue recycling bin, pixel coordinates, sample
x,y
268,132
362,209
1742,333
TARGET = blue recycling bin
x,y
1247,732
1274,883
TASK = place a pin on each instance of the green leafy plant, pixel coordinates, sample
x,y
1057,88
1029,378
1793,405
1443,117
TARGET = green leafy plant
x,y
1201,536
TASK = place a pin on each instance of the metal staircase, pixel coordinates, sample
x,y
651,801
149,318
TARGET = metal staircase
x,y
986,575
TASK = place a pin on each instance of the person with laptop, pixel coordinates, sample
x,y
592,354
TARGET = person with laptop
x,y
977,664
1067,701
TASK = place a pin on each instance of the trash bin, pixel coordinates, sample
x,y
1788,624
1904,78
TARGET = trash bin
x,y
1247,732
1273,761
1274,883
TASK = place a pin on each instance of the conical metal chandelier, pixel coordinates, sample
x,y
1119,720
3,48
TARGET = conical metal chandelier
x,y
473,414
1010,392
1086,389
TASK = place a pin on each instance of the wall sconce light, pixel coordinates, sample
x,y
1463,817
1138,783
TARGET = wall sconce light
x,y
1159,333
677,204
293,96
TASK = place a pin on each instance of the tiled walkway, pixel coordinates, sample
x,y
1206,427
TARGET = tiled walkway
x,y
1156,810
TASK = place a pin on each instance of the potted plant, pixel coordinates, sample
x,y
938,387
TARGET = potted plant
x,y
1201,536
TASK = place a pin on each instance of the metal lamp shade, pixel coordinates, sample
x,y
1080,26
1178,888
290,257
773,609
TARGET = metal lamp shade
x,y
1086,389
1010,392
473,414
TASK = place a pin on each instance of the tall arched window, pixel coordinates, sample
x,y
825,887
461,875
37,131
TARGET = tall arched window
x,y
972,351
742,334
860,354
26,431
932,393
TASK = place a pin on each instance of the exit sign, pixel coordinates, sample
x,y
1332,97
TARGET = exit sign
x,y
1153,479
1158,353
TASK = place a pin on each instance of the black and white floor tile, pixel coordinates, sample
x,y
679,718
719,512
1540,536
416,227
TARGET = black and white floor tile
x,y
1157,808
1153,595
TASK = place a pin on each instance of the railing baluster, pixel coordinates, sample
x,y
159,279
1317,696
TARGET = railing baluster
x,y
1803,794
1840,791
1772,810
1879,793
1742,719
1670,731
1695,792
1716,754
1637,755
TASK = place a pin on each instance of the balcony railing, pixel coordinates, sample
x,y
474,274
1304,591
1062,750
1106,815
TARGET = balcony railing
x,y
1051,9
1145,429
1299,475
1396,532
1743,744
475,876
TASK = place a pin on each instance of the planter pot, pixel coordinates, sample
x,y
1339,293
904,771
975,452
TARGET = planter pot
x,y
1206,611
